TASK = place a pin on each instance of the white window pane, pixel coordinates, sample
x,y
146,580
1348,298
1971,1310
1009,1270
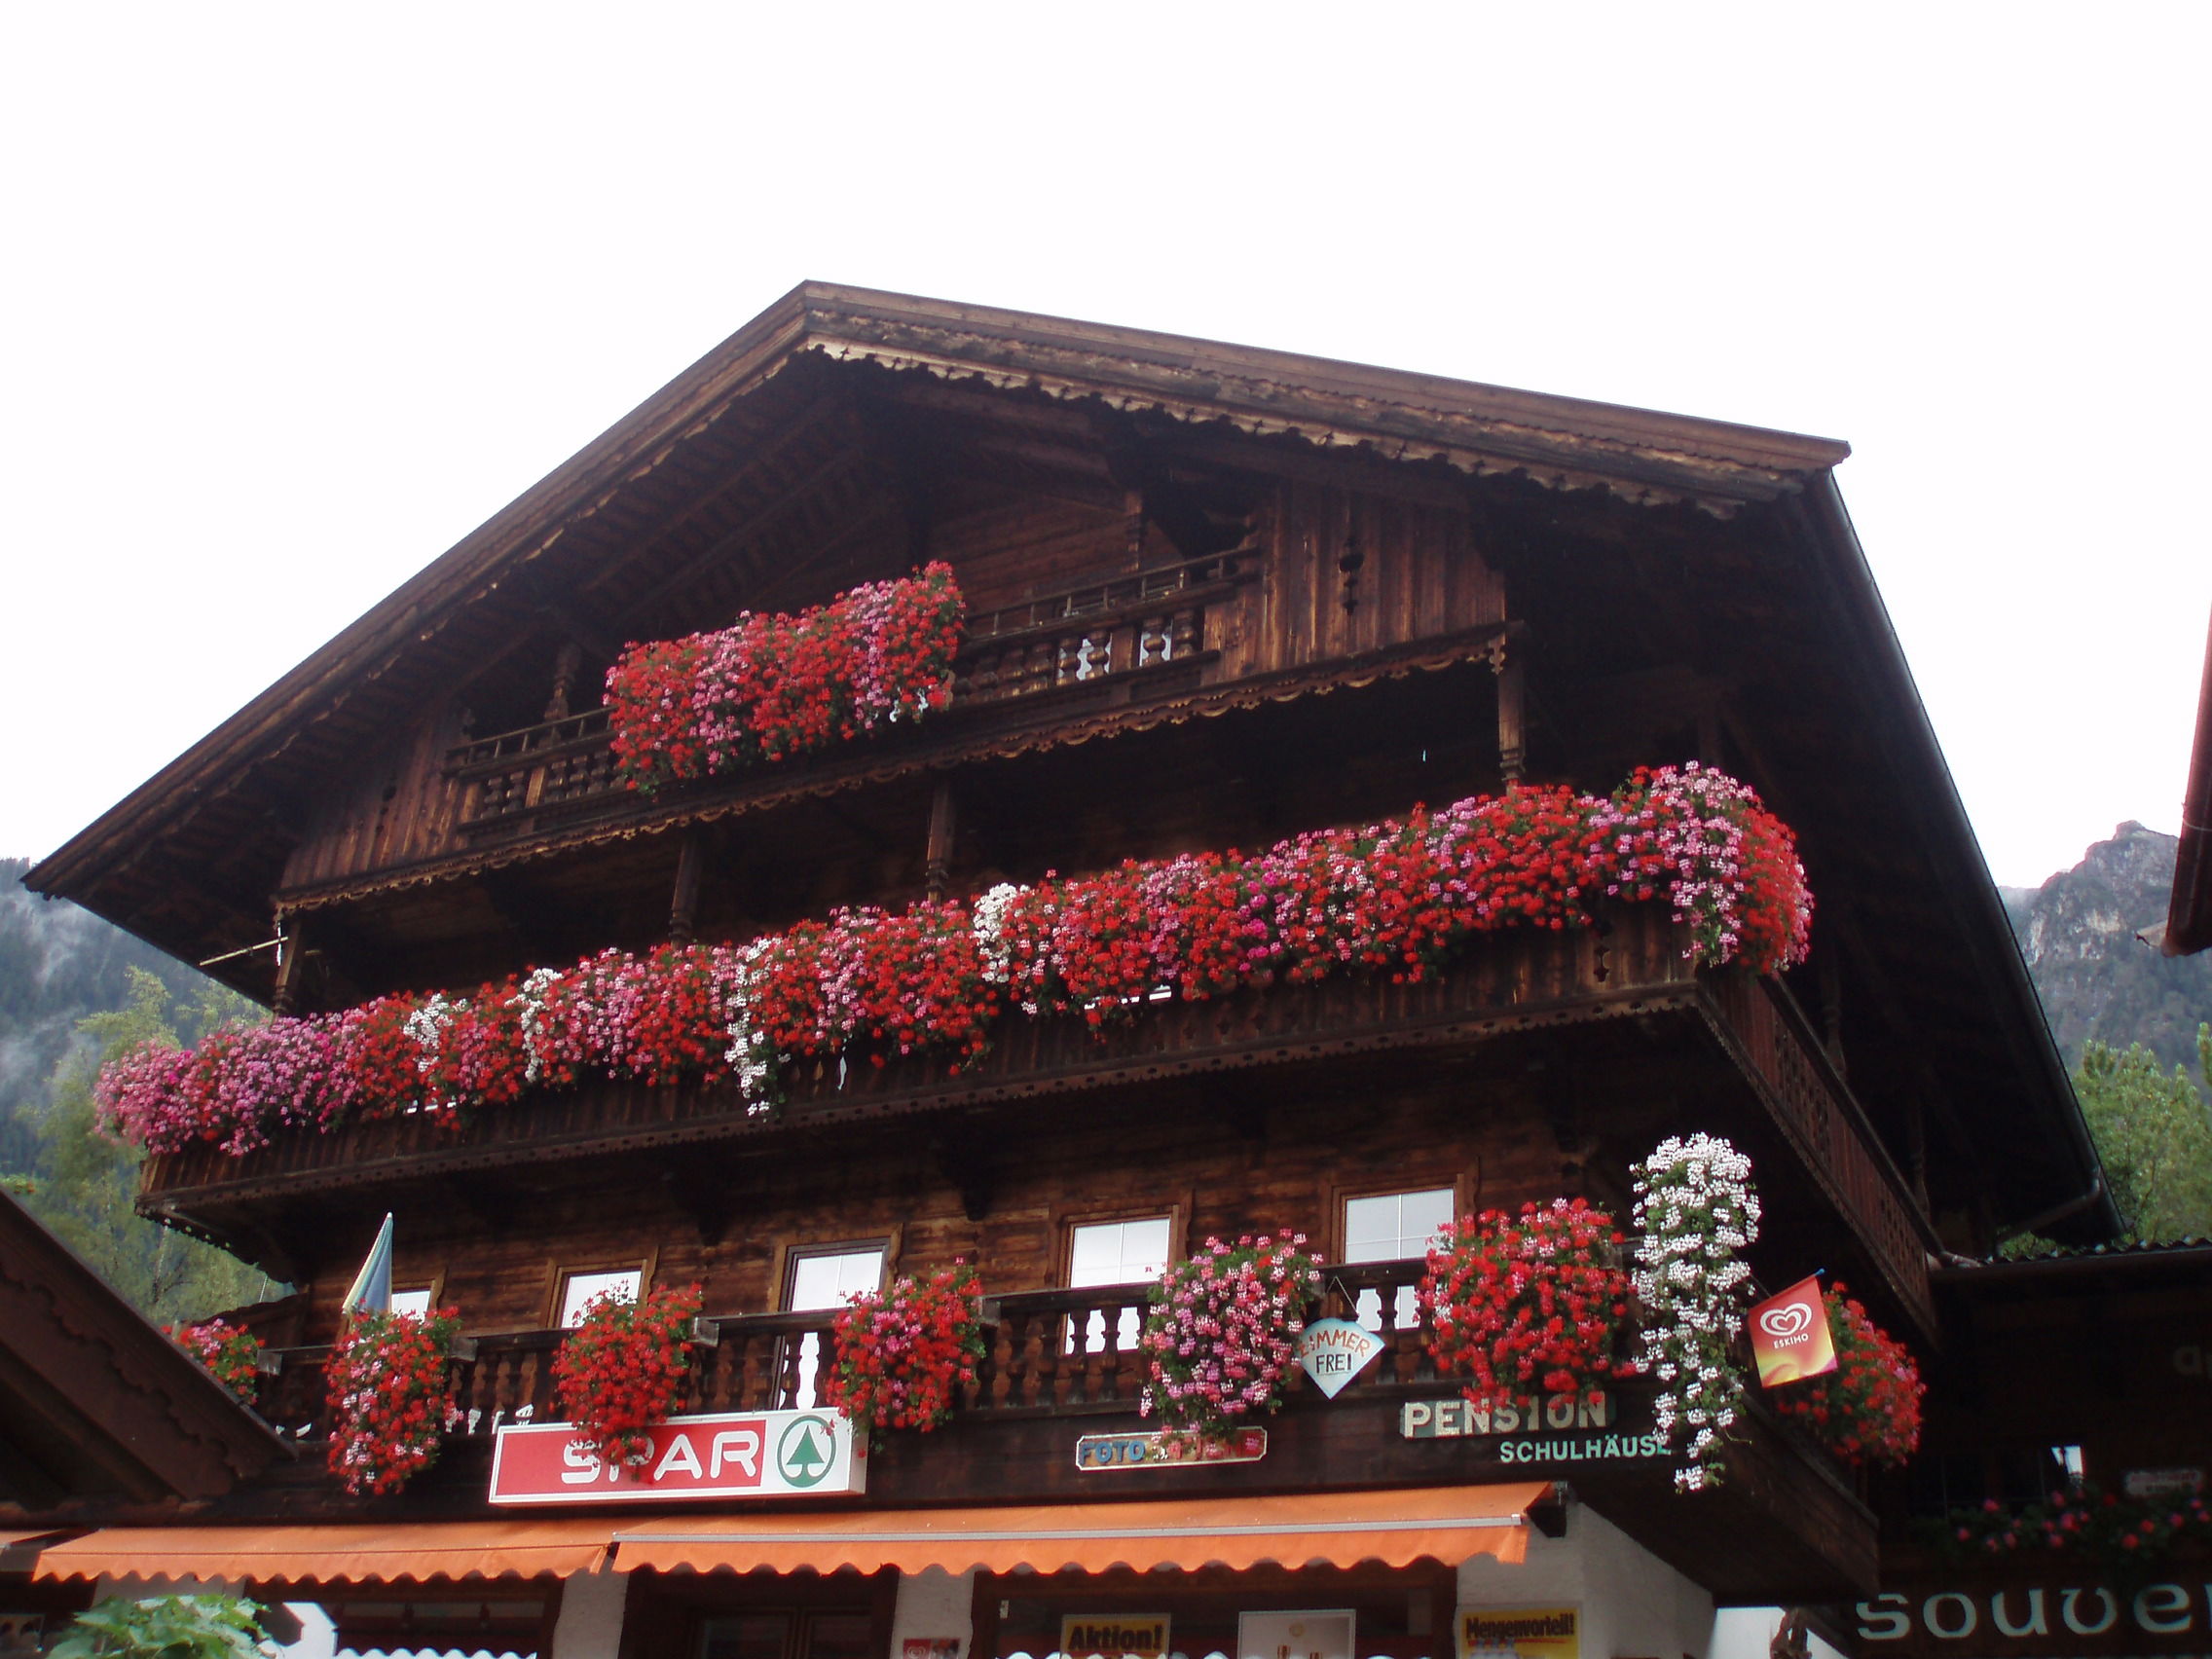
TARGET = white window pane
x,y
831,1279
1395,1225
582,1287
1117,1252
1421,1216
415,1301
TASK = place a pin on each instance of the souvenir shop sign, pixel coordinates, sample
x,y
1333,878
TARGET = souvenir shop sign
x,y
1546,1428
1124,1635
737,1454
1167,1451
1532,1633
1790,1335
2047,1612
1333,1351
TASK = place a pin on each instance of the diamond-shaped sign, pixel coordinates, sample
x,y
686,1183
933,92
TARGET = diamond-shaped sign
x,y
1333,1351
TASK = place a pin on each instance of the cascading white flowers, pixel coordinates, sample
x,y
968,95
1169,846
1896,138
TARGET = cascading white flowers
x,y
1695,1212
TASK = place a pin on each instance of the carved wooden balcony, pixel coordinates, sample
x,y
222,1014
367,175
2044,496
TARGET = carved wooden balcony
x,y
1063,1363
1129,637
1763,1080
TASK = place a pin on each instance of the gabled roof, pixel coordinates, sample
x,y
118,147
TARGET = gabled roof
x,y
95,1404
1471,428
2188,920
210,830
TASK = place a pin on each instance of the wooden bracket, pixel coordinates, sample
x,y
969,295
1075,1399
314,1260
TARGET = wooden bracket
x,y
967,1158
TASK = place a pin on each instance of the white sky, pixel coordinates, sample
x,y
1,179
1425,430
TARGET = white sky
x,y
293,297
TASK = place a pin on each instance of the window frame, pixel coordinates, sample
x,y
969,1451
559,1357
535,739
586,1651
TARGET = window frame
x,y
1065,1222
1342,1193
789,1256
560,1270
436,1284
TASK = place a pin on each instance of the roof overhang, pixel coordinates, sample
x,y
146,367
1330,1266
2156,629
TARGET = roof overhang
x,y
2188,920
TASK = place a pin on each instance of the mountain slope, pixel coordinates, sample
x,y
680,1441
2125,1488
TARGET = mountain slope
x,y
2096,979
58,964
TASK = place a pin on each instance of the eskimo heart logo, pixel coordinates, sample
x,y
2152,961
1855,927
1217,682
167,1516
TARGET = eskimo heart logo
x,y
1790,1320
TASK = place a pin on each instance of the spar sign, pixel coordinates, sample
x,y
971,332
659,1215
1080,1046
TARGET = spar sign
x,y
1790,1335
737,1454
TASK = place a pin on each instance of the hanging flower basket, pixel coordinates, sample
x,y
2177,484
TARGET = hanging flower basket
x,y
902,1357
1221,1331
388,1397
1868,1409
230,1351
772,686
1515,1305
623,1369
1695,1210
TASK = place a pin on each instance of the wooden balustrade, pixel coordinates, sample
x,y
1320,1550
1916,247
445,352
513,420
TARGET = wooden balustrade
x,y
1049,1351
1144,622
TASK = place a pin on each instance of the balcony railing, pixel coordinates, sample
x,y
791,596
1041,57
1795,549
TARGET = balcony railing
x,y
1079,638
1050,1351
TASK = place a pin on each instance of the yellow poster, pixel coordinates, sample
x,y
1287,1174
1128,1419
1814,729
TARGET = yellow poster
x,y
1117,1636
1532,1633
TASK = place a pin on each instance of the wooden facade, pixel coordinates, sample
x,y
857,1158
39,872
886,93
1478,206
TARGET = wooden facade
x,y
1214,597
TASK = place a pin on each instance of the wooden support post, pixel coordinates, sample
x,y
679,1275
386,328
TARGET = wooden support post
x,y
291,951
568,663
938,859
1512,696
683,909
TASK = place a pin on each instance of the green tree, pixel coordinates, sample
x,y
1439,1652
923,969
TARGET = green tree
x,y
89,1180
2154,1133
167,1627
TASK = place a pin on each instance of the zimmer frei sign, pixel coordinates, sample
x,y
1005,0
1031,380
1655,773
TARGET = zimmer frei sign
x,y
734,1454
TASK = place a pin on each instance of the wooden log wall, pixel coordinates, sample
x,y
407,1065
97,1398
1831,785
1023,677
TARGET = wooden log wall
x,y
1342,573
1239,1162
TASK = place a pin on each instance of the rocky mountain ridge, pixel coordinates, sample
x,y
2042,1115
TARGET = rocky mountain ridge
x,y
2078,932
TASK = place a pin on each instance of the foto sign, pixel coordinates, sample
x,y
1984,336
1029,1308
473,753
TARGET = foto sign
x,y
1168,1451
1333,1351
735,1454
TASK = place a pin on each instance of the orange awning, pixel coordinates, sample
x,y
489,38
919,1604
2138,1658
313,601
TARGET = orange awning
x,y
1446,1524
417,1550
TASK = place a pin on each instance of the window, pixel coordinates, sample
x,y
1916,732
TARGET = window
x,y
1114,1252
415,1301
577,1290
1391,1227
821,1279
832,1277
1117,1252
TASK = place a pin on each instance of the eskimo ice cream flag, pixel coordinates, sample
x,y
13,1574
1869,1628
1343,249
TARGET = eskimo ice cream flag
x,y
1790,1335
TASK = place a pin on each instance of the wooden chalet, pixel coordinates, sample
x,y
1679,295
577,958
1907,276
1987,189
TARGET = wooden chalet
x,y
1214,597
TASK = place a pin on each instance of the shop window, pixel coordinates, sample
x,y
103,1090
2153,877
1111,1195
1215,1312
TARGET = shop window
x,y
821,1279
579,1288
789,1635
1132,1251
1393,1226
